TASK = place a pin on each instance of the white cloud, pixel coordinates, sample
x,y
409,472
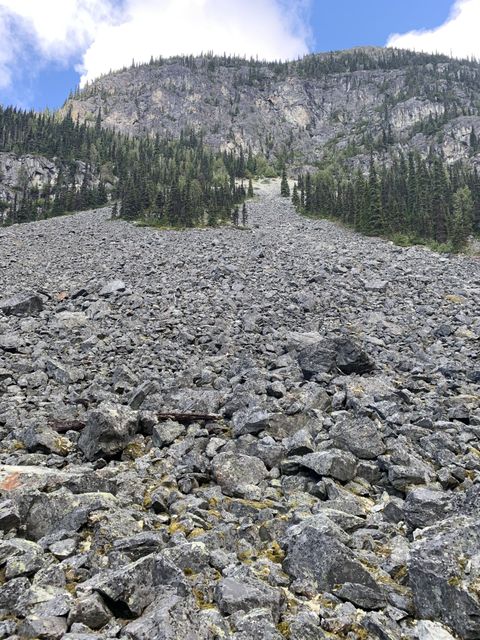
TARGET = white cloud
x,y
108,34
458,36
169,27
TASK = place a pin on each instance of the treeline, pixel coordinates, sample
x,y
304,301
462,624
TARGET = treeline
x,y
182,183
418,65
412,200
175,182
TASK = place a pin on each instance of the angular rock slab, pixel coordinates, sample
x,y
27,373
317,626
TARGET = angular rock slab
x,y
22,304
444,575
109,429
233,472
133,587
334,356
359,435
317,553
334,463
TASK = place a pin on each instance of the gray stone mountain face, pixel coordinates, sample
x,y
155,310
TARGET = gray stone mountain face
x,y
32,171
226,433
290,114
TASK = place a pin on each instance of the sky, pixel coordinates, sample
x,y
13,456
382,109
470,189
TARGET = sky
x,y
48,47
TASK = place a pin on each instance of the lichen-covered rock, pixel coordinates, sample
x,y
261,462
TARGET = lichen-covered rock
x,y
236,472
108,431
359,435
132,588
444,573
317,553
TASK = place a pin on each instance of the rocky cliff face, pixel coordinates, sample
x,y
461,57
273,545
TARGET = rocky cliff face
x,y
33,171
346,105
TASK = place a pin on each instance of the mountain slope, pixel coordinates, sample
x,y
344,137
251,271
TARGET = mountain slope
x,y
324,493
346,104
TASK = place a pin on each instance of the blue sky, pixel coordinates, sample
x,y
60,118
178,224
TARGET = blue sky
x,y
47,47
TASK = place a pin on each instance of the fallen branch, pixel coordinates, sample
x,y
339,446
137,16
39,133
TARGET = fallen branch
x,y
62,426
189,417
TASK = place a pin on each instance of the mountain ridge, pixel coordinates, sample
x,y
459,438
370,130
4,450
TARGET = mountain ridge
x,y
343,105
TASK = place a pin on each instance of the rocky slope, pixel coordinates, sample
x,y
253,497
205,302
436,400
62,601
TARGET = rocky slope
x,y
344,105
332,491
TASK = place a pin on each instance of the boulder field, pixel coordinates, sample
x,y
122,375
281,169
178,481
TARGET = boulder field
x,y
260,433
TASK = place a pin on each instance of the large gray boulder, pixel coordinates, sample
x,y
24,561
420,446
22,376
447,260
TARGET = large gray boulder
x,y
169,617
423,507
444,574
244,593
21,304
317,553
108,431
359,435
133,587
236,472
334,463
337,355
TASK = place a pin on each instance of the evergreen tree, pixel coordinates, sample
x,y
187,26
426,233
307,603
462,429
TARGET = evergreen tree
x,y
295,197
244,215
461,227
250,192
284,186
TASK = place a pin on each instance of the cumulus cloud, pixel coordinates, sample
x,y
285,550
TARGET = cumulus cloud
x,y
103,35
458,36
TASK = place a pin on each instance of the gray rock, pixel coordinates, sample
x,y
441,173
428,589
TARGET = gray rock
x,y
250,421
316,552
331,356
63,373
236,472
115,286
108,431
362,596
424,507
245,593
90,610
335,463
49,628
70,320
63,511
43,438
164,433
427,630
9,516
361,436
22,304
132,588
442,577
170,618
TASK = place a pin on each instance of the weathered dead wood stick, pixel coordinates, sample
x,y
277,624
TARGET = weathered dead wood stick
x,y
188,417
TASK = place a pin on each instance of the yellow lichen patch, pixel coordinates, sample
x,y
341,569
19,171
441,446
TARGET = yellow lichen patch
x,y
86,544
134,450
196,532
176,527
245,557
455,299
400,573
275,553
201,600
455,581
284,629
